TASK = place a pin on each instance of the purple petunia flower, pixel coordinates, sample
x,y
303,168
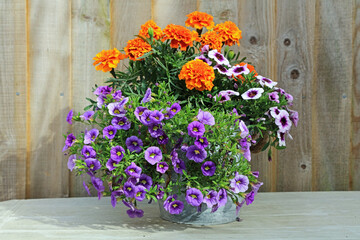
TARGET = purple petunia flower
x,y
289,98
133,170
255,187
205,118
243,129
121,123
162,167
205,49
145,181
252,93
179,166
117,153
222,197
139,112
196,129
115,194
98,184
224,96
169,200
155,130
129,189
160,192
147,96
153,155
196,154
274,112
204,59
168,114
176,207
134,143
201,142
109,132
218,57
237,70
281,137
117,95
90,136
274,96
93,164
223,70
132,213
116,109
87,115
71,162
100,101
208,168
69,117
103,90
145,118
210,199
70,140
156,117
86,188
283,121
255,174
163,139
294,117
140,193
88,152
240,183
175,108
249,198
194,197
110,164
245,147
266,81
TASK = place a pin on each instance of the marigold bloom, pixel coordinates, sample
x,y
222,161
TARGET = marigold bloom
x,y
108,59
179,35
136,48
199,20
229,33
212,39
197,74
158,34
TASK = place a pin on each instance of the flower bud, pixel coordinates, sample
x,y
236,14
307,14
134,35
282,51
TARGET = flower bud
x,y
231,55
179,54
151,32
236,86
226,49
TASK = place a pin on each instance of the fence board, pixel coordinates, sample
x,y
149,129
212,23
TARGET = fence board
x,y
49,62
295,22
90,34
12,99
332,95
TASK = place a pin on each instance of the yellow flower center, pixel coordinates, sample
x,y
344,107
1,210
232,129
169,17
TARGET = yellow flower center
x,y
195,129
117,111
152,155
140,113
118,153
174,110
143,181
157,118
193,196
155,128
111,132
138,194
174,205
207,168
131,170
121,123
201,140
197,152
129,188
134,143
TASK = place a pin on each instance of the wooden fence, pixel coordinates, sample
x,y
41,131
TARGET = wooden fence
x,y
310,47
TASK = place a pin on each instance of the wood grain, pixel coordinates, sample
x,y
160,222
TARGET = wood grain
x,y
12,99
331,101
49,63
295,24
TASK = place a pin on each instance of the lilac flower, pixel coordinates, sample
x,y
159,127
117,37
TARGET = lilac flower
x,y
156,117
162,167
218,57
153,155
274,112
266,81
281,137
115,194
93,164
109,132
205,118
252,93
210,199
155,130
160,192
117,153
243,129
249,198
88,152
201,142
294,117
176,207
121,123
139,112
196,154
103,90
87,115
147,96
194,197
196,129
134,143
204,59
132,213
237,70
129,189
163,139
245,147
70,140
133,170
117,95
140,193
145,118
222,197
169,200
283,121
223,70
175,108
86,188
110,164
208,168
116,109
145,181
239,183
69,117
274,96
71,162
90,136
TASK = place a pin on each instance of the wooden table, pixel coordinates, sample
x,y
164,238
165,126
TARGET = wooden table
x,y
295,215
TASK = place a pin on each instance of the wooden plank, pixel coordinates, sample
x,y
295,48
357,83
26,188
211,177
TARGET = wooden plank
x,y
331,102
355,111
90,34
222,11
49,63
12,99
295,23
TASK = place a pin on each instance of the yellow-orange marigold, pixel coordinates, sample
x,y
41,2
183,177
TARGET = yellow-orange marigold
x,y
199,20
197,74
212,39
251,69
179,35
108,59
158,34
136,48
229,33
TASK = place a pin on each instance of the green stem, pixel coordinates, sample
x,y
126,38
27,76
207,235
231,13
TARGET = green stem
x,y
113,73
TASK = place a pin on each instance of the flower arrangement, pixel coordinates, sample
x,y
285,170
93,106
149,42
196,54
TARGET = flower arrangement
x,y
182,119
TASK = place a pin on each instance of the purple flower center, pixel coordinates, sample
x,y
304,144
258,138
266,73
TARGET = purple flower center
x,y
239,69
266,80
252,93
219,56
222,68
283,121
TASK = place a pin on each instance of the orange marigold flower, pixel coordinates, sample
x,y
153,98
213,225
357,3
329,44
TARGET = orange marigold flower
x,y
251,69
212,39
179,35
108,59
136,48
158,34
197,74
229,33
199,20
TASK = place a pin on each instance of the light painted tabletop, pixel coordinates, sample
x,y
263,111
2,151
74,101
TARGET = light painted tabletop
x,y
295,215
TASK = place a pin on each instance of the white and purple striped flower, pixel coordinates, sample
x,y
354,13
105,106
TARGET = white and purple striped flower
x,y
283,121
237,70
224,96
252,93
266,81
218,57
274,112
243,129
204,59
223,70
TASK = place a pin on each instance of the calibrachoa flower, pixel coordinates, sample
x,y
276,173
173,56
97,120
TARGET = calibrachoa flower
x,y
179,36
117,95
252,93
133,170
98,184
116,109
115,194
145,181
266,82
274,96
140,193
132,213
237,70
243,129
176,207
103,90
251,70
156,117
145,118
162,138
136,48
208,168
199,20
239,183
210,198
229,33
162,167
153,155
198,75
222,197
134,143
110,164
201,142
109,132
147,96
281,137
294,117
223,70
121,123
175,108
69,117
205,118
70,139
283,121
88,152
71,162
196,129
196,154
108,59
169,200
139,112
218,57
144,31
129,189
194,197
87,115
93,164
117,153
90,136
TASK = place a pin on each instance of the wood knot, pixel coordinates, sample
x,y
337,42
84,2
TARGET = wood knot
x,y
225,15
295,74
253,40
287,42
303,166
